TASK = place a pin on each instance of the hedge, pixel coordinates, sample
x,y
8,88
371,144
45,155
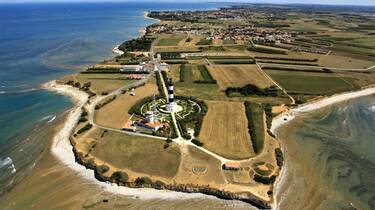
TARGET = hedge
x,y
279,157
287,59
250,89
87,127
254,114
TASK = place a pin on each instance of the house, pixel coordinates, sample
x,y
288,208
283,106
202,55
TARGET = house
x,y
233,166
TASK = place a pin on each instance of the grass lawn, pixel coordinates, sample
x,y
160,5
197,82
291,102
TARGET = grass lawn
x,y
139,154
310,83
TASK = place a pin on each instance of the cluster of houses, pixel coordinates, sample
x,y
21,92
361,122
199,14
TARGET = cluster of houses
x,y
230,32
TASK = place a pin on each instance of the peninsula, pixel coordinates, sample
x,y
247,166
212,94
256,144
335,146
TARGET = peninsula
x,y
190,104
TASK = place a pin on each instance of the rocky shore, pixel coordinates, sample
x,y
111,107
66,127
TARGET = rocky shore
x,y
185,188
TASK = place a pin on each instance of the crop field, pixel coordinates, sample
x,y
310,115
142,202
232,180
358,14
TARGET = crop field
x,y
238,76
169,41
200,91
224,130
103,83
310,83
343,61
189,73
115,114
139,154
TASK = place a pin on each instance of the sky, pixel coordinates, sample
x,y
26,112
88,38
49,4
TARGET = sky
x,y
344,2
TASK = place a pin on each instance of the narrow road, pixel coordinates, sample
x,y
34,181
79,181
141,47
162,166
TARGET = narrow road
x,y
275,83
314,67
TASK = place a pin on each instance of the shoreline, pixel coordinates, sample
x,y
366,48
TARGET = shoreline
x,y
286,117
63,150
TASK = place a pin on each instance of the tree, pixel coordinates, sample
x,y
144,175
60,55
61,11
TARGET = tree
x,y
120,176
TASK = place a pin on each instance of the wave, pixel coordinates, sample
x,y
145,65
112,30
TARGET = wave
x,y
372,108
49,118
19,91
6,161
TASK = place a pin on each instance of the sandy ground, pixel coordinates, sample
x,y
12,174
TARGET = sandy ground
x,y
115,114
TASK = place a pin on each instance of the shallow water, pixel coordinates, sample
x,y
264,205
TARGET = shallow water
x,y
331,159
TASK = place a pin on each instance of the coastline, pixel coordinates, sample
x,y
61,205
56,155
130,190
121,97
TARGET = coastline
x,y
63,150
286,117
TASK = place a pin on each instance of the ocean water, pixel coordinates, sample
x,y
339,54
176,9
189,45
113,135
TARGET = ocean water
x,y
40,42
330,158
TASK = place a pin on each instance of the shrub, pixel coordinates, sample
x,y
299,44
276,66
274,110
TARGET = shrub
x,y
197,142
90,164
119,176
87,127
159,184
250,89
279,157
264,179
143,180
102,169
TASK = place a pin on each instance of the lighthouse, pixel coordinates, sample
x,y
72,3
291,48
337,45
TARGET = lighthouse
x,y
170,91
171,105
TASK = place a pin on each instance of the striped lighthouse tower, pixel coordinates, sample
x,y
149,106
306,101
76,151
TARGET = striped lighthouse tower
x,y
170,92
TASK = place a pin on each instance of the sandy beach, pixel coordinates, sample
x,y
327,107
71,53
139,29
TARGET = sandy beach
x,y
289,115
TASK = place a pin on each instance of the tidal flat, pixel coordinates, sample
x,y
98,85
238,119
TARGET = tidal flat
x,y
330,158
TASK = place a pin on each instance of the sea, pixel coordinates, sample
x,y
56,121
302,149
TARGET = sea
x,y
329,153
330,158
44,41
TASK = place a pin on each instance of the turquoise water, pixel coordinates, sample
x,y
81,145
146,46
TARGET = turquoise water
x,y
40,42
331,158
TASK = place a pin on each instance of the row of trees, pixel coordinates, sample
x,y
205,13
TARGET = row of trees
x,y
249,90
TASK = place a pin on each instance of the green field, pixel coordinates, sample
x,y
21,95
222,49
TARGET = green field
x,y
186,73
172,41
254,113
310,83
143,155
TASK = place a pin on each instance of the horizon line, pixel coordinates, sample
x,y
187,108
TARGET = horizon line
x,y
186,1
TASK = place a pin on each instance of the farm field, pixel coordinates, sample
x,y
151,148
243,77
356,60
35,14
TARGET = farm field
x,y
224,130
141,155
190,73
115,114
172,40
238,76
310,83
200,91
341,61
